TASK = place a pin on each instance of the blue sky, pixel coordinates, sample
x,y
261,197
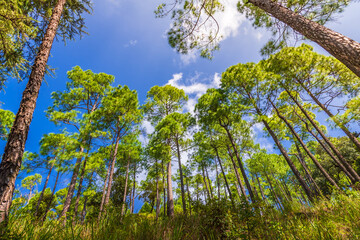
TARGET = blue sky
x,y
126,40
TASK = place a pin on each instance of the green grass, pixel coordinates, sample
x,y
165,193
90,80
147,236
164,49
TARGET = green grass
x,y
337,218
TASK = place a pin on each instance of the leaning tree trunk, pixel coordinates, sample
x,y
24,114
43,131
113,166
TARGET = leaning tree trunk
x,y
181,177
341,47
339,164
106,182
348,167
242,193
78,194
223,173
52,196
111,173
71,189
43,191
327,111
312,157
14,149
241,165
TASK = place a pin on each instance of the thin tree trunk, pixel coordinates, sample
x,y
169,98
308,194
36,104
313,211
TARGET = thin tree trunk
x,y
78,194
247,183
72,184
327,111
333,157
181,176
341,47
43,191
242,193
208,179
108,191
125,190
223,173
217,179
333,148
106,182
164,187
170,199
188,192
205,182
52,196
15,145
157,192
273,191
133,191
83,214
261,189
312,157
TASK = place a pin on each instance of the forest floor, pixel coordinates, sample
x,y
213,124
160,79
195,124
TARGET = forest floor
x,y
334,218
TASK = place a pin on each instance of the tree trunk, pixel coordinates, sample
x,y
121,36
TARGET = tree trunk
x,y
247,183
157,192
327,111
164,187
15,145
205,182
339,164
43,191
242,193
133,191
312,157
208,179
261,190
273,191
125,190
78,194
189,195
223,173
333,148
72,184
111,174
52,196
106,182
341,47
217,179
181,176
83,214
170,199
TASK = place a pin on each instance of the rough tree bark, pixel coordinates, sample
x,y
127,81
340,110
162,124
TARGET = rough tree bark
x,y
14,149
341,47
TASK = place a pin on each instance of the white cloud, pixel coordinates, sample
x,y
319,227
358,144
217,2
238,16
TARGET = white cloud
x,y
130,43
195,87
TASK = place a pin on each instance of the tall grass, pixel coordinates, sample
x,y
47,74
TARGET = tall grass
x,y
337,218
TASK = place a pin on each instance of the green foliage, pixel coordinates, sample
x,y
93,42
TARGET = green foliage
x,y
6,122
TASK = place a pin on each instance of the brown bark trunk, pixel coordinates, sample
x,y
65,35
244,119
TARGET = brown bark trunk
x,y
188,192
339,164
164,187
261,190
217,179
242,189
341,47
208,179
125,190
170,199
14,149
205,182
223,173
333,148
78,194
327,111
241,165
72,184
133,191
43,191
181,176
106,182
108,191
157,192
312,157
273,192
52,196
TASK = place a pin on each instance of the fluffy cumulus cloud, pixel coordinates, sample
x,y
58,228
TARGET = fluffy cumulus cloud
x,y
194,87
